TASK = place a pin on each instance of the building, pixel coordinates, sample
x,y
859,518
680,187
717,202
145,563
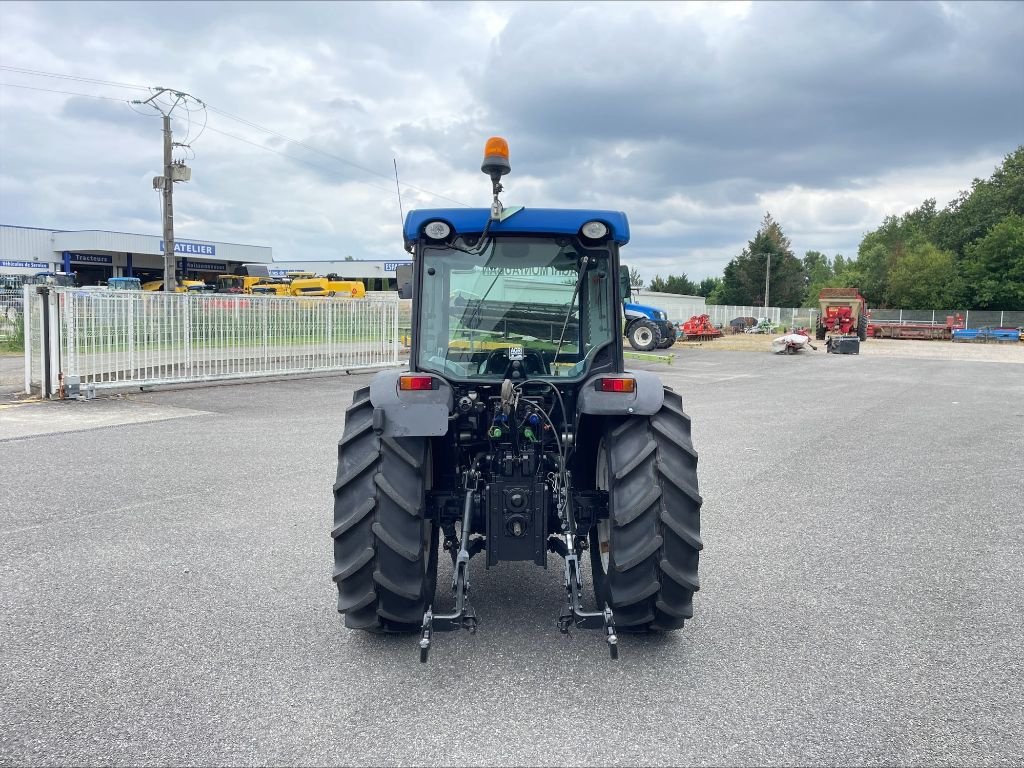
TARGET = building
x,y
97,255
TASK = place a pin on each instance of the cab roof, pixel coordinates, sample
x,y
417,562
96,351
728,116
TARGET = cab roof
x,y
539,221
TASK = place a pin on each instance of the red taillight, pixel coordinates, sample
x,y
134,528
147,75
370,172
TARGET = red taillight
x,y
415,382
616,385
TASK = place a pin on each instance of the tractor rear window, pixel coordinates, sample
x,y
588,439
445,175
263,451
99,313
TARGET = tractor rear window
x,y
511,306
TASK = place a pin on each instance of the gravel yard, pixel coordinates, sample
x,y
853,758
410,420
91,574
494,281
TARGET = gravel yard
x,y
931,350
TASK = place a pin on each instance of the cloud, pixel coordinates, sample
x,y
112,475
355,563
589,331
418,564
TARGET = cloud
x,y
693,118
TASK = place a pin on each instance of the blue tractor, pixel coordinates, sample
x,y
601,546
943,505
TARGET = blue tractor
x,y
516,432
646,328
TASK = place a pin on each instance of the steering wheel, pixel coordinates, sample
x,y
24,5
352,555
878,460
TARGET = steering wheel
x,y
498,362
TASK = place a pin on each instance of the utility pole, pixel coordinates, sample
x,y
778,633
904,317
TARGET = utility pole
x,y
172,172
170,263
767,268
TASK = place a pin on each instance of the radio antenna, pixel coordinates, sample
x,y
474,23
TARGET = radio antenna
x,y
401,214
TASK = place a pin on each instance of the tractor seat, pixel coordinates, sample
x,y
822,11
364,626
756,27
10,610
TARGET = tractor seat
x,y
498,363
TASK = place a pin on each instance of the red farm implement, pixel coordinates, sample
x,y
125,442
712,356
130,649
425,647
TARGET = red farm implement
x,y
699,328
884,329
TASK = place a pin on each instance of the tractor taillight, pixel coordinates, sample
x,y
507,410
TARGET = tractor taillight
x,y
616,385
415,383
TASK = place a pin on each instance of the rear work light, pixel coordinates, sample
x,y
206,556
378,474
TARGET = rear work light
x,y
415,383
594,230
616,385
437,230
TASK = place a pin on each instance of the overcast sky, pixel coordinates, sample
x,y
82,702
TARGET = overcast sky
x,y
695,119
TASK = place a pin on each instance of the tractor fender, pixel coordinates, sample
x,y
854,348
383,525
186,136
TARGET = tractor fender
x,y
646,401
421,413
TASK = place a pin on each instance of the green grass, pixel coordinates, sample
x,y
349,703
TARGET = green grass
x,y
14,338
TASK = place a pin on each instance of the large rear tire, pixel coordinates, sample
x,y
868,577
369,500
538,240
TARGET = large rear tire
x,y
644,557
862,328
385,547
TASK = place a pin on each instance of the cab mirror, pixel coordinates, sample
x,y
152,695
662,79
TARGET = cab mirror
x,y
624,287
404,274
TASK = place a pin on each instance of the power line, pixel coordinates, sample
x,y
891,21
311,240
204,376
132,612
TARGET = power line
x,y
244,121
40,73
205,128
66,93
291,157
272,132
224,113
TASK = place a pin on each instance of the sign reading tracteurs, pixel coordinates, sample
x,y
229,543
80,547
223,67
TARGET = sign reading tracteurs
x,y
192,249
90,258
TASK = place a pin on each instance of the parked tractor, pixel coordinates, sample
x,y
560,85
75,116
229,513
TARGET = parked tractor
x,y
516,432
843,322
646,328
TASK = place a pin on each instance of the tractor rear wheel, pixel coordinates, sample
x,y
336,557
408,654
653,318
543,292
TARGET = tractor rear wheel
x,y
385,546
644,335
862,328
644,556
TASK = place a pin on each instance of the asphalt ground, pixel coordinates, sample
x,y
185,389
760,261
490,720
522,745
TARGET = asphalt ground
x,y
165,564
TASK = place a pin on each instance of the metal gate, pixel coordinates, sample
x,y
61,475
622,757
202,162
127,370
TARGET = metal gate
x,y
112,339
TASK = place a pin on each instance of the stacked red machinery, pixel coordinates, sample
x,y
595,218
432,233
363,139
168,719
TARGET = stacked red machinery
x,y
700,328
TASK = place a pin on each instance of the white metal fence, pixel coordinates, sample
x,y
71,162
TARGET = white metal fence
x,y
109,338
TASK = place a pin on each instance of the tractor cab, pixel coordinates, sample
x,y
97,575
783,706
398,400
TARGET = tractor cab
x,y
533,294
515,293
124,284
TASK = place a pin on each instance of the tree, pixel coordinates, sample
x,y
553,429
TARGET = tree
x,y
969,217
717,295
894,266
817,266
994,266
349,258
924,277
679,284
769,252
708,285
634,278
819,272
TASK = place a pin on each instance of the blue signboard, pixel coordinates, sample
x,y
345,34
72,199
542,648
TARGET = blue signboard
x,y
202,266
278,272
25,264
192,249
91,258
391,266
